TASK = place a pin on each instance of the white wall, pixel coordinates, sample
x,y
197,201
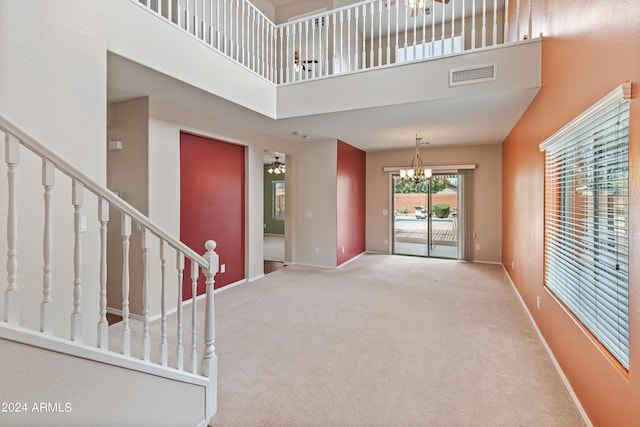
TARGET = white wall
x,y
53,68
99,394
314,203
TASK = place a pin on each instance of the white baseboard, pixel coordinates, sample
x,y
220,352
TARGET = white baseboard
x,y
351,260
564,378
486,262
234,284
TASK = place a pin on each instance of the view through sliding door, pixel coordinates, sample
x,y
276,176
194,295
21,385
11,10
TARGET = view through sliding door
x,y
426,216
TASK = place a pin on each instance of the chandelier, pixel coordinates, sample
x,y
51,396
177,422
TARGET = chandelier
x,y
276,167
417,172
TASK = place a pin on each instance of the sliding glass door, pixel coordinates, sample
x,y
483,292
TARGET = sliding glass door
x,y
426,216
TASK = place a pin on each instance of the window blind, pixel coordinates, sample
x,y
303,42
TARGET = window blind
x,y
586,220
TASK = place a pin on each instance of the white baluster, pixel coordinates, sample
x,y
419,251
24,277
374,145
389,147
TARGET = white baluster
x,y
126,236
195,18
372,61
406,25
218,37
495,22
164,346
282,55
146,338
170,11
253,40
186,16
334,54
300,50
306,43
178,14
259,44
453,23
363,56
203,22
397,27
325,69
424,35
462,33
209,365
473,24
225,36
12,293
506,22
103,325
389,35
76,316
341,40
195,270
232,39
179,349
210,25
288,56
433,27
313,47
442,33
46,313
415,19
242,35
484,23
356,60
530,20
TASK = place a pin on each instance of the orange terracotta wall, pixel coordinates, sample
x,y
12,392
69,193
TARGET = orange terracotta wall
x,y
590,47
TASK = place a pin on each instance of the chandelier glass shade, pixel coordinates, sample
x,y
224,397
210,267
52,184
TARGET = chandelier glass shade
x,y
276,167
417,172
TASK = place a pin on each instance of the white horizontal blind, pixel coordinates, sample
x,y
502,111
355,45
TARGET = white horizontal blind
x,y
586,224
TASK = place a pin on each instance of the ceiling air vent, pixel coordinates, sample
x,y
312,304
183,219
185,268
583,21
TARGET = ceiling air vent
x,y
474,74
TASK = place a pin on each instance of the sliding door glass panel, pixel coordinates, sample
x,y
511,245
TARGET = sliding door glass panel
x,y
425,217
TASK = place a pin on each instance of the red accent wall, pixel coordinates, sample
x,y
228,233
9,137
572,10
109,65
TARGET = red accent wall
x,y
212,204
351,181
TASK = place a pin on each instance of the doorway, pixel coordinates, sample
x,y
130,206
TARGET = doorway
x,y
426,216
274,211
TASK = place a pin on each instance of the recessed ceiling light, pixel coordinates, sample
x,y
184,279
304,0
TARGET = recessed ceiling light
x,y
306,137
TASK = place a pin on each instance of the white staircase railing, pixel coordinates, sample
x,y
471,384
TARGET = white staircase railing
x,y
15,140
366,35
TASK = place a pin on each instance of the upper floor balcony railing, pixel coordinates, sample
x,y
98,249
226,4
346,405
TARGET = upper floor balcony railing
x,y
366,35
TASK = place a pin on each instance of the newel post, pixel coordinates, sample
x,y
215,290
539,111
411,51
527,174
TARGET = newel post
x,y
209,366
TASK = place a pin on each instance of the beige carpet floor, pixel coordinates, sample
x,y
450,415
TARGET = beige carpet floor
x,y
384,341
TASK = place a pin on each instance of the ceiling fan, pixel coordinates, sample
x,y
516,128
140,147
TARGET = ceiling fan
x,y
416,5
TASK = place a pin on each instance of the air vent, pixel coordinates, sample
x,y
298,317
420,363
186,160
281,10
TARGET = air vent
x,y
475,74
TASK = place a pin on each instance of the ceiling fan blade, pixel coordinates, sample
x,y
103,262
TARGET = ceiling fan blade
x,y
442,1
